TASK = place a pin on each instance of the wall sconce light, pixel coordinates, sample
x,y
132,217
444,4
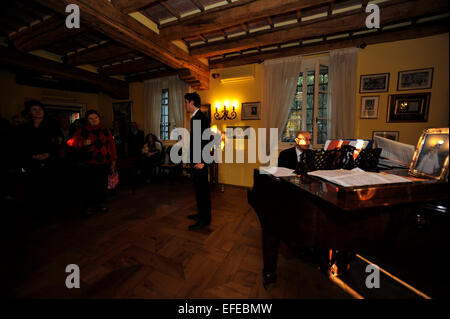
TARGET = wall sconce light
x,y
225,115
215,75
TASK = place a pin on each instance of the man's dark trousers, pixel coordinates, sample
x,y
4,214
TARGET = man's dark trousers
x,y
202,194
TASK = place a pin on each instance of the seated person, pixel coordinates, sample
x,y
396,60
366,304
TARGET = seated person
x,y
290,157
151,154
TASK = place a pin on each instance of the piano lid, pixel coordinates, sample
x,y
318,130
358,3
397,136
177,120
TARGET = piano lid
x,y
354,198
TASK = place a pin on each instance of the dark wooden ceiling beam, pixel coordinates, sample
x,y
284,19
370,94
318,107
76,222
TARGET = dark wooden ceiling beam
x,y
405,33
97,54
151,75
140,65
127,6
29,62
270,22
198,5
186,74
299,15
241,11
43,34
347,22
102,16
224,33
170,9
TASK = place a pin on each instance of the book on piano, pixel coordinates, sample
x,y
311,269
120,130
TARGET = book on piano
x,y
394,154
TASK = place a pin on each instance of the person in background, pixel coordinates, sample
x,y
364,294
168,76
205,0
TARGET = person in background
x,y
135,140
98,143
19,119
38,147
119,138
77,124
64,125
151,154
290,157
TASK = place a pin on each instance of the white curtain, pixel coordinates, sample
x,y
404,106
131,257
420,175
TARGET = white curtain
x,y
177,89
152,106
279,86
342,82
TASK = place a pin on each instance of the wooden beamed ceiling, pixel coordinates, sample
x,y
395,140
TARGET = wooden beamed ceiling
x,y
339,23
234,29
403,33
28,62
242,11
227,33
102,16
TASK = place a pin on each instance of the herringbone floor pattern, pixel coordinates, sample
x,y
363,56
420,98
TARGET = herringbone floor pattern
x,y
142,249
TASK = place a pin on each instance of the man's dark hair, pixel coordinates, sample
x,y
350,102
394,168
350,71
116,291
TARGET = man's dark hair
x,y
193,97
30,103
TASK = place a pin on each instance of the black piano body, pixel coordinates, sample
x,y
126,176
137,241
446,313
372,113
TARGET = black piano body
x,y
315,213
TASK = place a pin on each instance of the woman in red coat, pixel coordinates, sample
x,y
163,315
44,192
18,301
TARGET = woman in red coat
x,y
98,144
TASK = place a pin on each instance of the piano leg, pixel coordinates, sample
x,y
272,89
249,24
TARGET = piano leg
x,y
271,244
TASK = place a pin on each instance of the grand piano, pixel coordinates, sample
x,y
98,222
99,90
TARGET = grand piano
x,y
312,212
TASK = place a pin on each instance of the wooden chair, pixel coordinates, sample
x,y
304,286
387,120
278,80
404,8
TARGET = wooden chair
x,y
168,165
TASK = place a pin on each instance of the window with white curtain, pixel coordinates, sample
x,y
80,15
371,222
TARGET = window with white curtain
x,y
310,106
164,126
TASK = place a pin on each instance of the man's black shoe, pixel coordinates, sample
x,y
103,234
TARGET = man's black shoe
x,y
198,225
194,216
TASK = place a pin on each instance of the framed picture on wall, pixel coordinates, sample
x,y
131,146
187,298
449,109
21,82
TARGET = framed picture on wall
x,y
251,111
392,135
122,113
408,107
369,107
415,79
430,158
372,83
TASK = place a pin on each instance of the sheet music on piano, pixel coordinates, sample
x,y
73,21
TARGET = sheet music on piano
x,y
276,171
393,153
357,177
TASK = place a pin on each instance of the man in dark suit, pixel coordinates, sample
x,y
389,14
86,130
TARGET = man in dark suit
x,y
290,157
199,123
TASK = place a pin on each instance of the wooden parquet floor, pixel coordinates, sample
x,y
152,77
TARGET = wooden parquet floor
x,y
143,249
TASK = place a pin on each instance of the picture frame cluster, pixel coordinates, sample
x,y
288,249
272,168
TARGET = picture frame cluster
x,y
403,107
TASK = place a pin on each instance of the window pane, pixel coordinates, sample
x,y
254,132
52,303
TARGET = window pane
x,y
323,78
322,135
164,123
322,113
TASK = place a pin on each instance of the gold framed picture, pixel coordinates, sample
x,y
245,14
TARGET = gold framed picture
x,y
430,158
408,107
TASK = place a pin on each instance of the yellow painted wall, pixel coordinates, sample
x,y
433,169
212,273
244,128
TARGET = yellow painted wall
x,y
235,92
137,109
398,56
